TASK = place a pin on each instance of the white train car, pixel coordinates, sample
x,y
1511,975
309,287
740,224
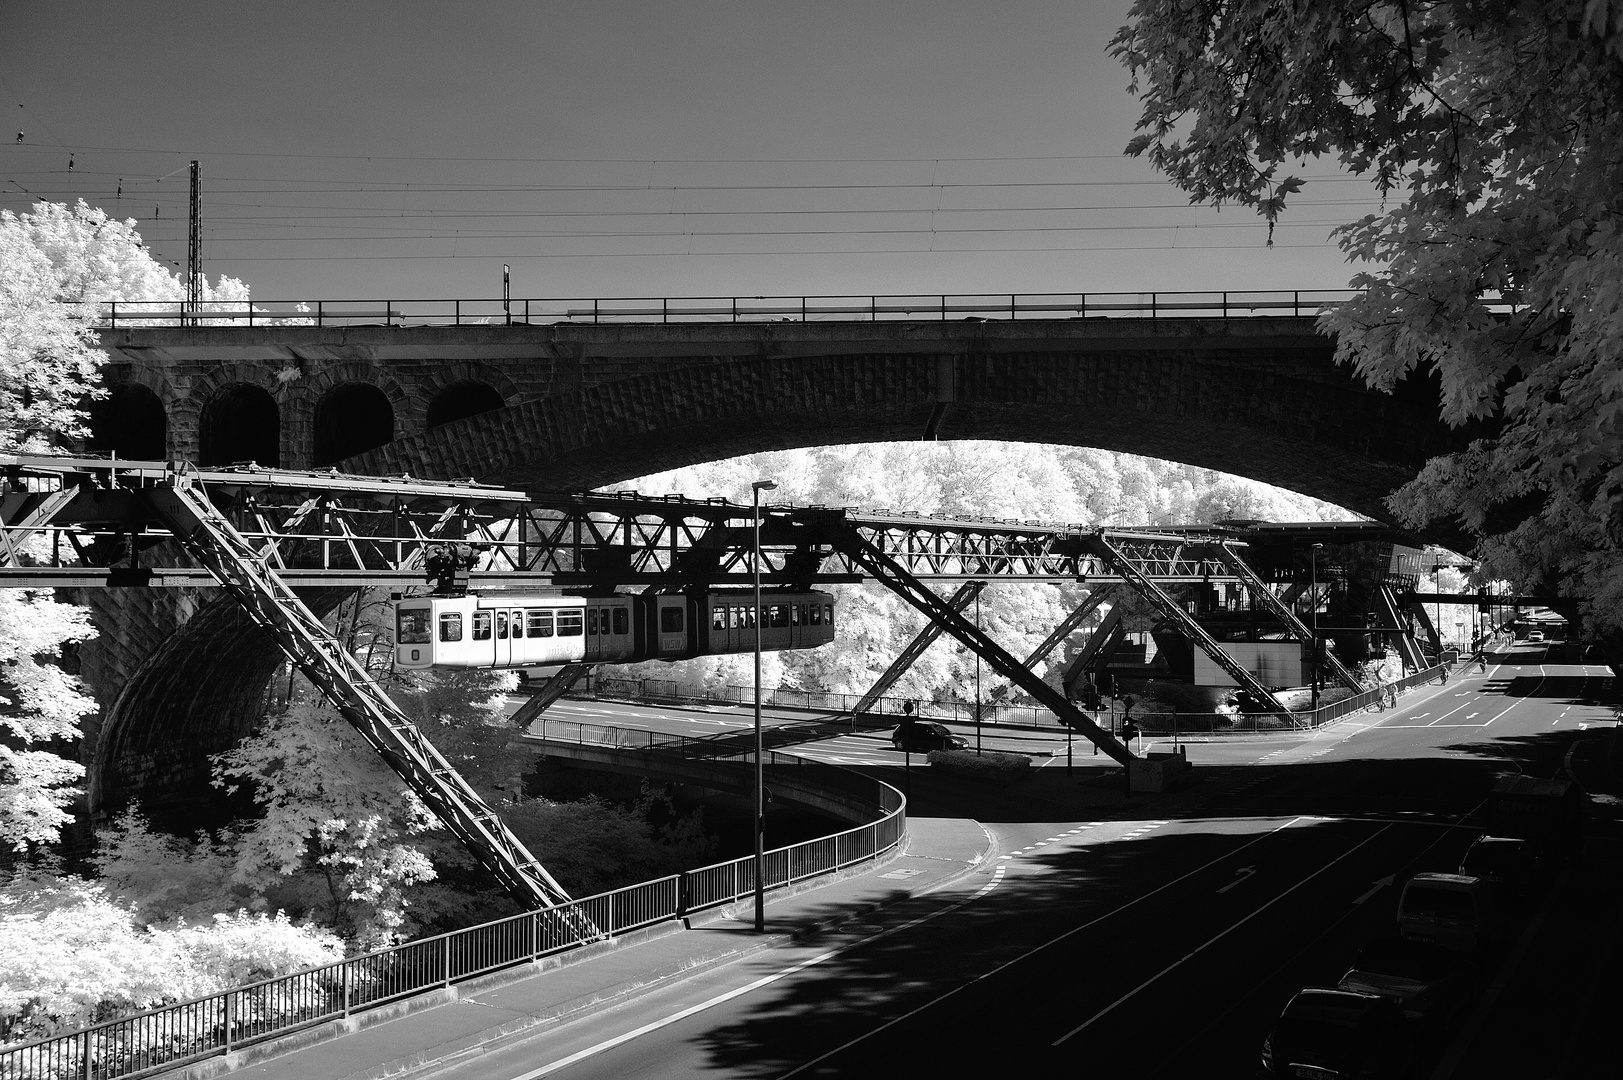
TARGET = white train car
x,y
512,631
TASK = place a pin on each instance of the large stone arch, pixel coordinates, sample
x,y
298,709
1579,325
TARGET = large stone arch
x,y
196,694
1310,428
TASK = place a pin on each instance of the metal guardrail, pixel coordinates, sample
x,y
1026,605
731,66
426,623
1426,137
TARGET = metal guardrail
x,y
720,309
1150,723
188,1031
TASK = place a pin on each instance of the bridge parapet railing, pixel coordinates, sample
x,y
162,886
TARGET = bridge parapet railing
x,y
719,309
164,1038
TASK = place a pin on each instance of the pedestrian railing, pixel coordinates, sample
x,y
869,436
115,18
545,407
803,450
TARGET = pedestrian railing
x,y
188,1031
940,307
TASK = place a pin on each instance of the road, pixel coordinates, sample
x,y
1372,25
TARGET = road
x,y
1157,942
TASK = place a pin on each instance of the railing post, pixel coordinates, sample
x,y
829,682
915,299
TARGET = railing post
x,y
1153,304
1296,302
1011,307
535,934
594,311
681,893
321,312
735,309
665,309
84,1056
458,311
445,956
943,307
228,996
1225,304
346,986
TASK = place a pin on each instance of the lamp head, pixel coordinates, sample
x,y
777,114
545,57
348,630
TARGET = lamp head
x,y
765,485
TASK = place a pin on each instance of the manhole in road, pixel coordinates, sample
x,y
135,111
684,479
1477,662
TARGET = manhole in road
x,y
898,874
861,928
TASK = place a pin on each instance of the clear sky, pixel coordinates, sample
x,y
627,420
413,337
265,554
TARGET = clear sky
x,y
627,148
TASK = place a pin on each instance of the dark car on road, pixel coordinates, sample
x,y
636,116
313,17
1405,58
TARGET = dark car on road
x,y
1515,867
1430,984
926,735
1338,1035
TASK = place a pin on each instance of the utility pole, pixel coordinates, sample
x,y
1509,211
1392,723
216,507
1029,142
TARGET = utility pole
x,y
194,247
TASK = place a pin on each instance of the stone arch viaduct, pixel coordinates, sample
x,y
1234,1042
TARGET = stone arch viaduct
x,y
566,406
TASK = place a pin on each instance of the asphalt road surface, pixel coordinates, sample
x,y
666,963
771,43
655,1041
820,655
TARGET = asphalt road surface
x,y
1158,941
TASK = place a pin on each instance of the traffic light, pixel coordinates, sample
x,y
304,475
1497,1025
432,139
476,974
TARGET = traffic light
x,y
1129,730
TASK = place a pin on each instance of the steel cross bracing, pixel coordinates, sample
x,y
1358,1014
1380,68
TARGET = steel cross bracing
x,y
1293,625
235,563
1124,565
894,576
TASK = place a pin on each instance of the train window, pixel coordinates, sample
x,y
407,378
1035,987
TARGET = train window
x,y
591,622
780,614
450,626
517,622
622,620
481,626
501,625
411,626
816,614
718,617
735,617
569,622
797,614
671,621
540,622
828,614
749,617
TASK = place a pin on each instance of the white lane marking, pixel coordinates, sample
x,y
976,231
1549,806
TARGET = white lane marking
x,y
765,980
1084,1025
1030,952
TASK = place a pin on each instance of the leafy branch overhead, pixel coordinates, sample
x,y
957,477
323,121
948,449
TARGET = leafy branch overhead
x,y
1493,131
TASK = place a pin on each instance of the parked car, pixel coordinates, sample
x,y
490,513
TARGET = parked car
x,y
926,735
1456,911
1338,1033
1429,984
1516,868
1535,635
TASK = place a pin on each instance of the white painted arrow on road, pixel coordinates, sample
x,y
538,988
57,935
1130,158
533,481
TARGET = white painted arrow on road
x,y
1377,887
1244,872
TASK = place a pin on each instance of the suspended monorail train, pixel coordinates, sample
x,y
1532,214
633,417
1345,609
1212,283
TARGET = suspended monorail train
x,y
508,631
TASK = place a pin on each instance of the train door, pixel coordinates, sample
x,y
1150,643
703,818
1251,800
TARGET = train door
x,y
503,652
670,630
596,626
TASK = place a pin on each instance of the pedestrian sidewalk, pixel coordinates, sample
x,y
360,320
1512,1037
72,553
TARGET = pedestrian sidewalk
x,y
430,1031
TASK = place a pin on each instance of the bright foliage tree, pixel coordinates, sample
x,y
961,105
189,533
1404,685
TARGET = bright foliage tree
x,y
1491,128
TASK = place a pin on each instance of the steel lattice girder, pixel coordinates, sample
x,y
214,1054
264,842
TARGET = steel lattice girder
x,y
958,601
324,529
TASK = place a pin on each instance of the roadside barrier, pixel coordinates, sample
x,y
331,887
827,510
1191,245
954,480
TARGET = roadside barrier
x,y
216,1024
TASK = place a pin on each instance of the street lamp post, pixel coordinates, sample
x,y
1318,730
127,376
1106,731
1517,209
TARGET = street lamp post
x,y
1313,610
760,780
977,678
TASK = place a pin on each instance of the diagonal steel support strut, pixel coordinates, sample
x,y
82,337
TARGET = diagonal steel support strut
x,y
958,601
1282,611
1197,634
241,570
888,572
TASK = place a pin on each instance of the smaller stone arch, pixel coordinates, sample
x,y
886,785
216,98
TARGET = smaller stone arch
x,y
462,399
130,422
240,422
351,419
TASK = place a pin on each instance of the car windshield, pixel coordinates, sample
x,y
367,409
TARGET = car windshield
x,y
1340,1010
1491,859
1416,960
1438,903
